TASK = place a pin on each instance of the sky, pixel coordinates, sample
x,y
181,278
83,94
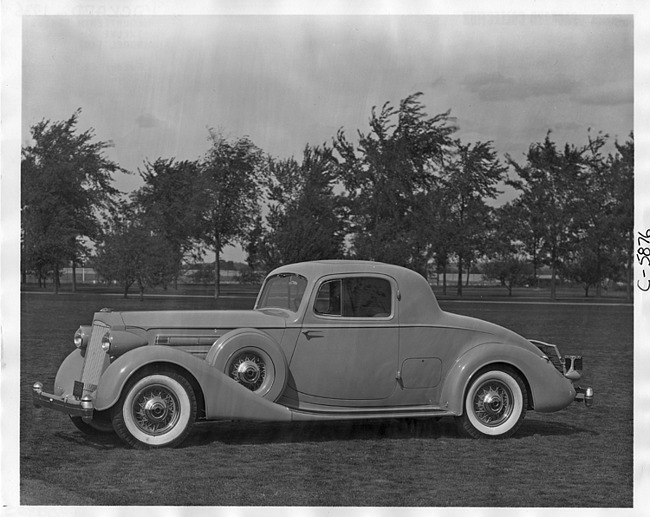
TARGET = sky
x,y
153,85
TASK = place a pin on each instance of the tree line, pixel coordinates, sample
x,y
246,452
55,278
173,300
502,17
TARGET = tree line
x,y
407,192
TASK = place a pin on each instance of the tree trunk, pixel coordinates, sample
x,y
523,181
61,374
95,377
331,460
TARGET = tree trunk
x,y
74,276
628,279
444,277
217,266
56,279
459,290
553,287
553,273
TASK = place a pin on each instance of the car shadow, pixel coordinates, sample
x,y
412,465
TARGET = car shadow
x,y
251,433
256,433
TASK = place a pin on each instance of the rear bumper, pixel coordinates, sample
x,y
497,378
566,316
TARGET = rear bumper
x,y
67,405
585,395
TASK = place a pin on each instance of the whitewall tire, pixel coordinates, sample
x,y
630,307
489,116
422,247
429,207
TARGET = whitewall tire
x,y
494,405
155,410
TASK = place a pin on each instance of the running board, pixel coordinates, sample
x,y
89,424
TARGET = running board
x,y
367,413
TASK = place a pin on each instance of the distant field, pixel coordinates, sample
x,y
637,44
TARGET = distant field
x,y
575,458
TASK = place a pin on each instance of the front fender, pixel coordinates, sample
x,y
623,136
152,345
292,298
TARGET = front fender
x,y
224,398
549,389
70,369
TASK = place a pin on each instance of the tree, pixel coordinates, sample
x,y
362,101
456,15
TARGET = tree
x,y
469,180
551,184
621,166
132,254
66,185
388,177
306,220
230,193
504,251
168,205
592,258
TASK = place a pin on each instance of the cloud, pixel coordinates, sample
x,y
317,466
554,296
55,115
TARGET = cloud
x,y
607,95
147,121
494,86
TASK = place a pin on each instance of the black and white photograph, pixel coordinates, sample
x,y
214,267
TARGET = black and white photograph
x,y
336,258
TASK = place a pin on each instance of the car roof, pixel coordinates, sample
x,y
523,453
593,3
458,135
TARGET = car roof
x,y
322,267
418,303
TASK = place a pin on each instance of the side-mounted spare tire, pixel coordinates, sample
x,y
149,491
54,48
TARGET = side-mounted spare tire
x,y
253,359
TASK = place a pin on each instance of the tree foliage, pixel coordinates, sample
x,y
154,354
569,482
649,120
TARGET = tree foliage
x,y
549,183
230,193
306,219
132,254
66,186
470,179
388,177
169,206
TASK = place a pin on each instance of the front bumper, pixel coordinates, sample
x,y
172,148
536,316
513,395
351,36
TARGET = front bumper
x,y
68,405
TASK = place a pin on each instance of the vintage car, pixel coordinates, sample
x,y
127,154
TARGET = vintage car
x,y
326,340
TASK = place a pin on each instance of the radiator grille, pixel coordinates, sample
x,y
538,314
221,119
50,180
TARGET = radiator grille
x,y
95,359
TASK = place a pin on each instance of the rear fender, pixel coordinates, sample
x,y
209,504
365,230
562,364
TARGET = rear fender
x,y
549,389
224,398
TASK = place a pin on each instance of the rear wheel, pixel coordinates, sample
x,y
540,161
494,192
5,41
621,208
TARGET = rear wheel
x,y
494,405
155,410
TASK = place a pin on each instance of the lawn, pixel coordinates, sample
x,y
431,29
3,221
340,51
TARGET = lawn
x,y
576,457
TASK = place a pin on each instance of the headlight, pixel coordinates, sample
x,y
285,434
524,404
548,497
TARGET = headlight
x,y
82,337
106,342
118,342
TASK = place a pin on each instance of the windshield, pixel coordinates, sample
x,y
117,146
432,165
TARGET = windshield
x,y
283,291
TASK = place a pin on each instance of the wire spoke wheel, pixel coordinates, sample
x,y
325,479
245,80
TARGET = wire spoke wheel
x,y
253,368
155,410
249,369
494,405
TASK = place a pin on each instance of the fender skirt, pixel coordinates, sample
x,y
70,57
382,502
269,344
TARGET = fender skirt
x,y
224,398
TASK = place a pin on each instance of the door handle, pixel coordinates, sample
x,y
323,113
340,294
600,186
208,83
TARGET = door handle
x,y
310,334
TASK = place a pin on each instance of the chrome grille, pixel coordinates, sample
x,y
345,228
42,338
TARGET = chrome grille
x,y
95,358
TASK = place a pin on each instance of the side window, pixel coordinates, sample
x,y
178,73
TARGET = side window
x,y
355,298
328,299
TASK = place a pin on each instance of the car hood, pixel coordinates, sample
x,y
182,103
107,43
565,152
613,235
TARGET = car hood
x,y
148,320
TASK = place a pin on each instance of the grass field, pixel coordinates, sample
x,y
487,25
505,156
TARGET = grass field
x,y
573,458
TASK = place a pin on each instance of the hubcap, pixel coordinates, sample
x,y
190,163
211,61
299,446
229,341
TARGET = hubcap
x,y
493,403
155,409
248,369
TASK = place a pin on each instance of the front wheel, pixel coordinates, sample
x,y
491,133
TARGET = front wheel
x,y
494,405
155,410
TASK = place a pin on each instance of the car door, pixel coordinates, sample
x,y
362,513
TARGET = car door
x,y
348,347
